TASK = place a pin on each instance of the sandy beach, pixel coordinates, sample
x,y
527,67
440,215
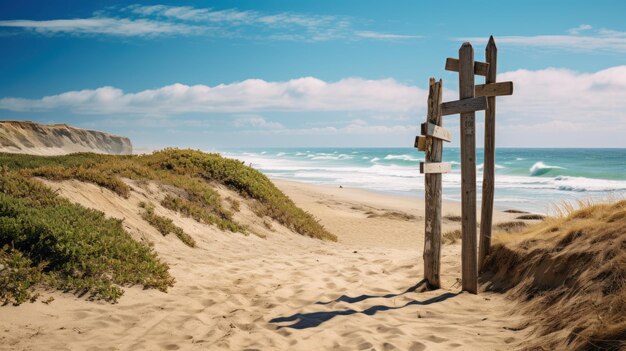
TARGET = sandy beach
x,y
284,291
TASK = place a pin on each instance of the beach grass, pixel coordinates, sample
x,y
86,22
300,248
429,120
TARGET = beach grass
x,y
569,271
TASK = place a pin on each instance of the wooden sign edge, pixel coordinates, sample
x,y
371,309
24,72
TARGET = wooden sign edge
x,y
446,165
455,107
480,68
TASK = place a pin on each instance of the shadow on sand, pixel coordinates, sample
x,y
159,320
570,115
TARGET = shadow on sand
x,y
315,319
348,299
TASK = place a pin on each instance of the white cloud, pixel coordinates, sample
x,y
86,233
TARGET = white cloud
x,y
354,127
581,28
103,25
384,36
235,16
558,94
249,96
159,20
559,107
579,39
257,122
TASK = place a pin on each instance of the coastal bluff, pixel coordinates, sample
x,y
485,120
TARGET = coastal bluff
x,y
26,137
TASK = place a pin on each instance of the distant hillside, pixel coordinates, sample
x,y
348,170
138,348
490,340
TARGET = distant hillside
x,y
27,137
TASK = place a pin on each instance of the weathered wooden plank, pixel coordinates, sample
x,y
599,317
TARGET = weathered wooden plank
x,y
464,105
486,213
435,167
420,142
432,192
494,89
480,68
436,131
469,269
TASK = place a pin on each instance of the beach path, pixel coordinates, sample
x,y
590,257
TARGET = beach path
x,y
283,292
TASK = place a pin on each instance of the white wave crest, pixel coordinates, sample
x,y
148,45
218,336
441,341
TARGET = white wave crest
x,y
400,157
540,168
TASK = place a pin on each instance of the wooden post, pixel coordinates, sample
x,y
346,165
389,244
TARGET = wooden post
x,y
486,213
434,151
469,269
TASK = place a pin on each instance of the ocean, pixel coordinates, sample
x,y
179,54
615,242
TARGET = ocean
x,y
536,180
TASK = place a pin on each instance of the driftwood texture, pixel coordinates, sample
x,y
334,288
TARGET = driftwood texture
x,y
469,269
486,213
434,152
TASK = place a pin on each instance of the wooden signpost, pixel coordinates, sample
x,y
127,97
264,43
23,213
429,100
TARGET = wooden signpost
x,y
472,98
432,169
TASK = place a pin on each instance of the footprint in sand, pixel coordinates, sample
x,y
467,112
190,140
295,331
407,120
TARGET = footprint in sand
x,y
436,339
417,346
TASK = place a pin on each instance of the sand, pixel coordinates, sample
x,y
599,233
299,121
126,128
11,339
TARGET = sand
x,y
281,292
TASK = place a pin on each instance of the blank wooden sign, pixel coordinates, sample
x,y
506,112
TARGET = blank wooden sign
x,y
472,104
494,89
435,167
436,131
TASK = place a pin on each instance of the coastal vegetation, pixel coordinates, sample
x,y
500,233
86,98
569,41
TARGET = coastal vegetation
x,y
569,272
47,241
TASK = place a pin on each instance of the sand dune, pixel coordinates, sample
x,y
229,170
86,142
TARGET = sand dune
x,y
282,292
26,137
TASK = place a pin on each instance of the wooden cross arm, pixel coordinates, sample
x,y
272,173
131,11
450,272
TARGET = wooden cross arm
x,y
435,167
436,131
464,105
494,89
480,68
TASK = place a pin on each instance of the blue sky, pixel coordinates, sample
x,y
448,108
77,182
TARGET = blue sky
x,y
223,74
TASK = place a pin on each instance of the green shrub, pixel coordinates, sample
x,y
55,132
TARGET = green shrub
x,y
165,225
90,175
190,170
17,276
246,181
192,209
77,249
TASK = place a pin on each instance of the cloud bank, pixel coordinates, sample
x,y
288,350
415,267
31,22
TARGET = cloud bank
x,y
576,108
249,96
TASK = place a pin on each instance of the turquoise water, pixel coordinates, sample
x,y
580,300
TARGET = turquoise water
x,y
527,179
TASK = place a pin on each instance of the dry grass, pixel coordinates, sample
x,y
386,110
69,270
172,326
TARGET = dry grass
x,y
452,218
402,216
569,274
235,205
452,237
511,227
530,217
